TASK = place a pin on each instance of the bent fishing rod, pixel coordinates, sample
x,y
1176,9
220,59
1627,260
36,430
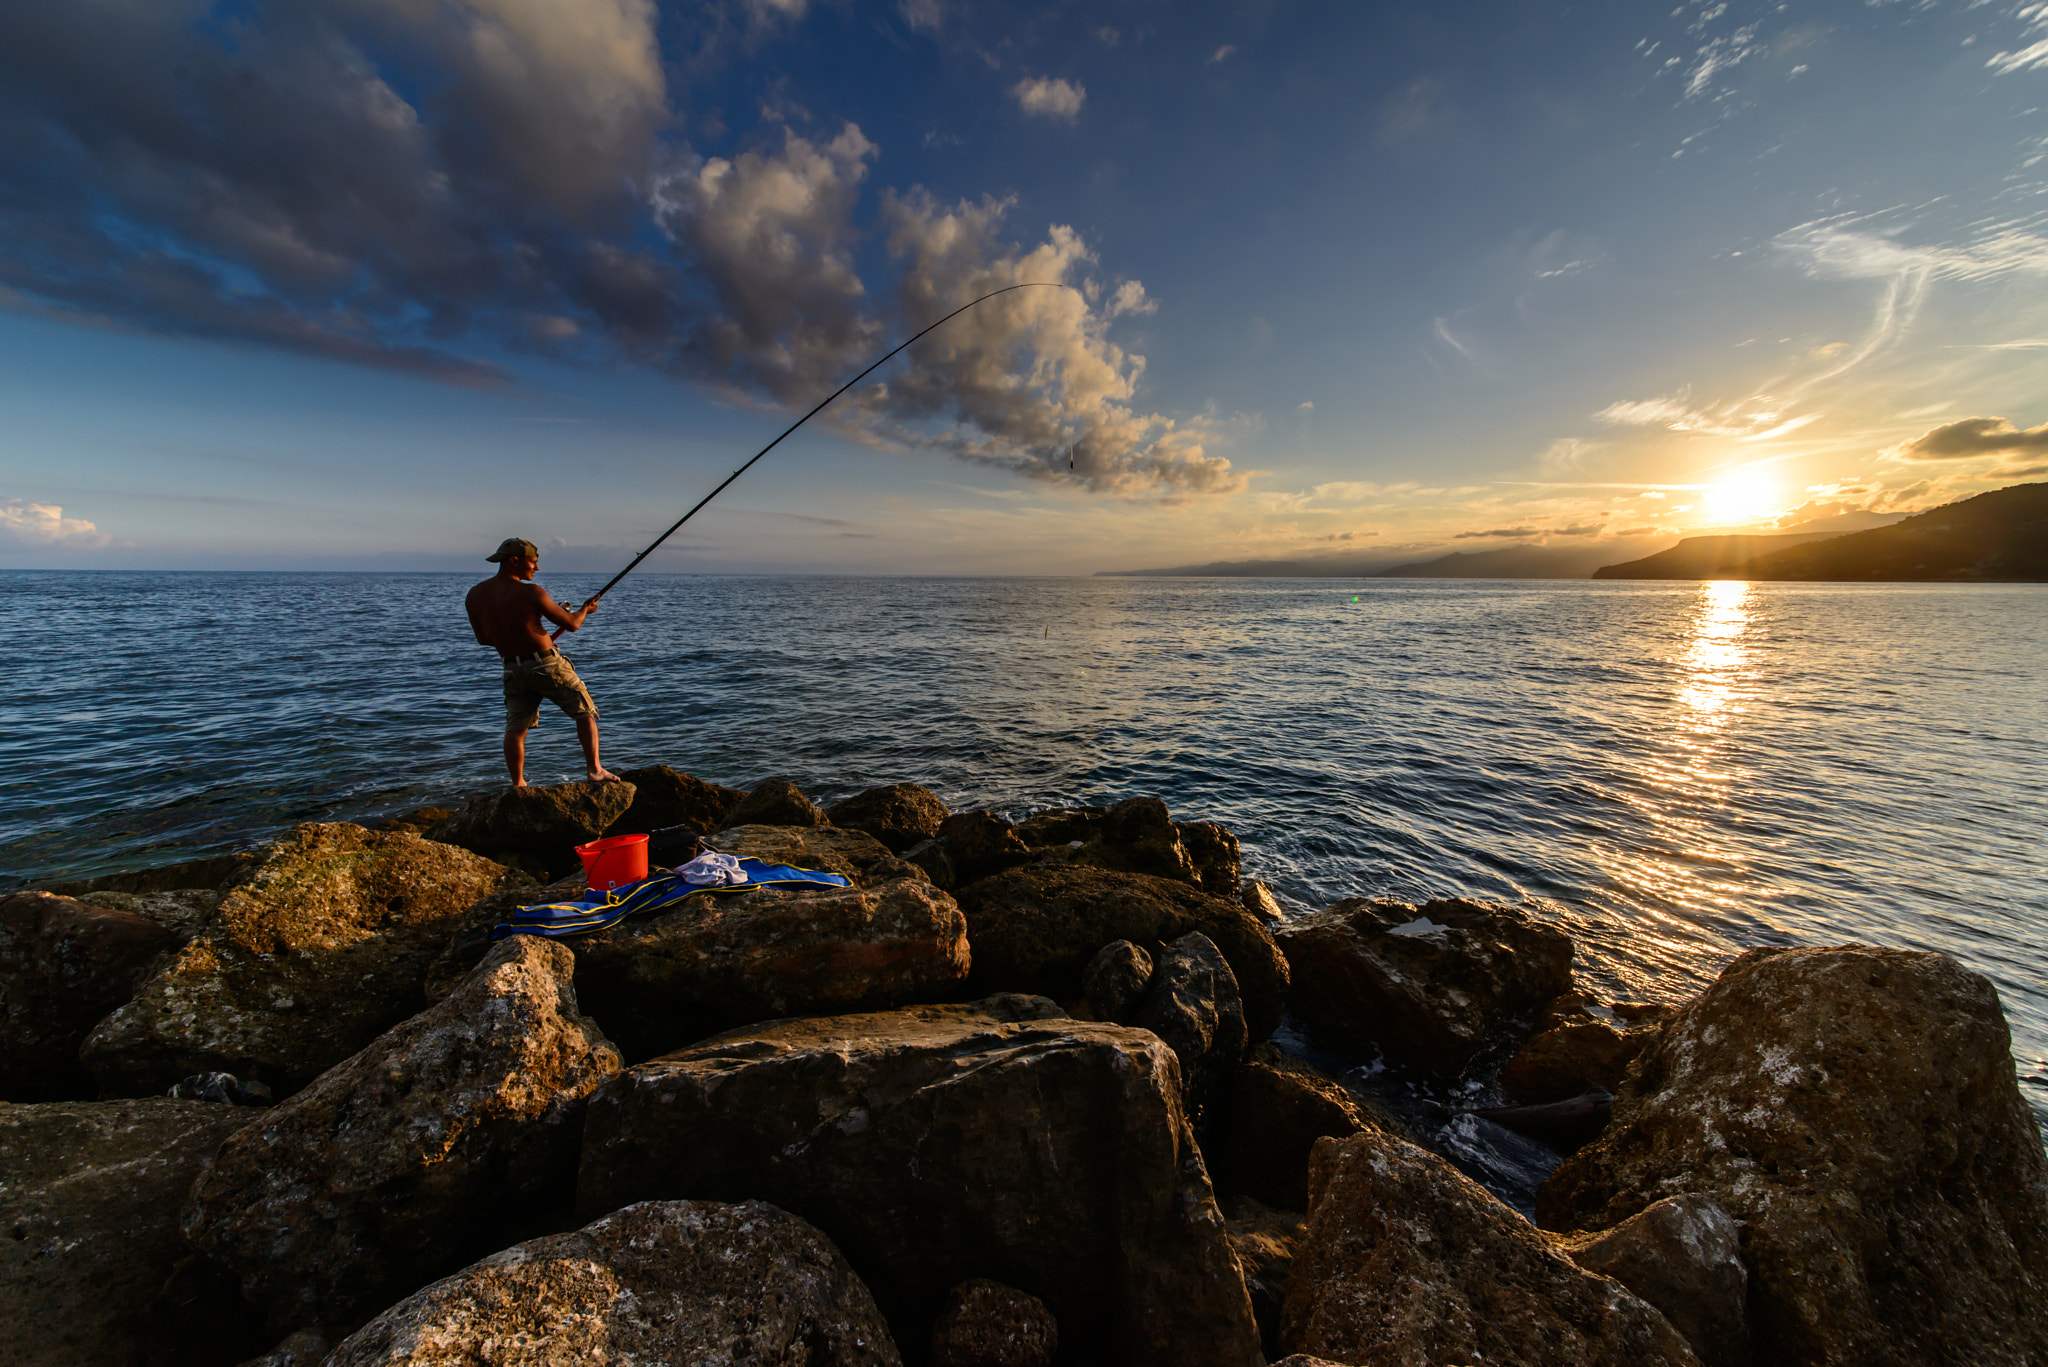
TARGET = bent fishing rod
x,y
1029,284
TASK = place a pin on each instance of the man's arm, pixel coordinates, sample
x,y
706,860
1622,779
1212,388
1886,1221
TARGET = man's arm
x,y
554,612
475,622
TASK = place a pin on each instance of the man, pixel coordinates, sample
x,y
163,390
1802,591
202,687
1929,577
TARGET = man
x,y
506,613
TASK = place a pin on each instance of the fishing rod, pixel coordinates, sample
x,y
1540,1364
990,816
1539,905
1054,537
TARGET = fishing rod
x,y
1029,284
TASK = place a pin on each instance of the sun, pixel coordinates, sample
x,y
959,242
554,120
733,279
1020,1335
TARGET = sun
x,y
1743,495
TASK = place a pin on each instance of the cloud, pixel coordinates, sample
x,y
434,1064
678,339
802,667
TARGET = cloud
x,y
2026,59
925,14
1305,405
44,524
1222,52
1050,97
1974,437
1499,532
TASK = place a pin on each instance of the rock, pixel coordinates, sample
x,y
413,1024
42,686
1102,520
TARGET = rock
x,y
1683,1255
777,802
303,1349
659,1282
987,1324
1193,1005
415,822
447,1134
471,938
721,960
1264,1241
1137,836
855,854
1259,900
89,1200
930,856
664,799
1856,1110
1060,827
1115,980
218,872
1425,985
995,1139
1407,1260
979,844
222,1089
900,816
1274,1110
1214,852
182,911
1304,1360
63,965
1566,1126
1035,928
321,949
1580,1046
536,828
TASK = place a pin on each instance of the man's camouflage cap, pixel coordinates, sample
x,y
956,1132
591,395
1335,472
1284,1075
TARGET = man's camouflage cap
x,y
512,546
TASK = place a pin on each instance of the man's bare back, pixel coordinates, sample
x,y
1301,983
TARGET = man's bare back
x,y
509,613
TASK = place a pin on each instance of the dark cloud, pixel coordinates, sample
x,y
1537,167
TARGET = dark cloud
x,y
1974,437
424,187
1497,531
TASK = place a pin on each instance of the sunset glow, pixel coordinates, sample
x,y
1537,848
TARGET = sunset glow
x,y
1744,496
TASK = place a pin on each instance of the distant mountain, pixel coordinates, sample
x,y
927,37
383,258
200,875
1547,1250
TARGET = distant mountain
x,y
1706,557
1995,537
1518,562
1313,567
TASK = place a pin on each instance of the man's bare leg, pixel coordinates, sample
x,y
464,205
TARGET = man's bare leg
x,y
515,756
586,732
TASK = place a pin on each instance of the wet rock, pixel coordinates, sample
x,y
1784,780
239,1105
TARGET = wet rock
x,y
854,854
303,1349
1213,850
1275,1109
659,1282
664,799
1856,1110
1061,827
1035,928
1193,1005
1259,900
721,960
1137,836
1115,980
1406,1260
778,802
1264,1241
322,948
987,1324
995,1139
900,816
979,844
536,828
89,1200
1566,1126
218,872
1580,1045
1427,985
415,822
1684,1256
182,911
63,965
449,1133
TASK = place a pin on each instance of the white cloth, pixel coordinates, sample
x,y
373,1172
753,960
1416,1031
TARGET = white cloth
x,y
712,870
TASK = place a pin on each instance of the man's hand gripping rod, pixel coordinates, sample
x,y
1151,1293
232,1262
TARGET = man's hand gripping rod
x,y
1029,284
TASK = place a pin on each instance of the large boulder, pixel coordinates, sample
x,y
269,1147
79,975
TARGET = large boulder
x,y
1683,1255
900,815
322,948
1265,1242
1193,1005
987,1324
1115,981
89,1199
1428,986
63,965
1581,1045
998,1139
978,844
1274,1109
536,827
1035,928
471,939
1138,836
852,854
720,960
1407,1260
451,1134
1856,1110
1213,850
659,1282
778,802
664,799
217,872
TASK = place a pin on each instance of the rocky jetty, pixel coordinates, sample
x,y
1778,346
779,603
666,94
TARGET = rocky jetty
x,y
1015,1098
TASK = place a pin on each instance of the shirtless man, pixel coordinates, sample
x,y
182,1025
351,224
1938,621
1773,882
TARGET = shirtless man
x,y
506,612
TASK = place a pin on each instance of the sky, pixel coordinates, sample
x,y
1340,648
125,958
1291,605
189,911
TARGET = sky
x,y
373,284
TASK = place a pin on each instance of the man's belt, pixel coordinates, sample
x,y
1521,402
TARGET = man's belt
x,y
527,659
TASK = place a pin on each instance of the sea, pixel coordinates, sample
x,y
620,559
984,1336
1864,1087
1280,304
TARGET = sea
x,y
1672,772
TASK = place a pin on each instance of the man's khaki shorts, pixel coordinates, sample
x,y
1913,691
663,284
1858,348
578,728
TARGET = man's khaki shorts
x,y
550,677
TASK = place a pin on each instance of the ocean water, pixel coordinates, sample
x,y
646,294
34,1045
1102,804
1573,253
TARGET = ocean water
x,y
1674,772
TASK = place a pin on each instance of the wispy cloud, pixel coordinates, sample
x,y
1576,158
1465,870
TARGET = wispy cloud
x,y
1221,53
1050,97
2026,59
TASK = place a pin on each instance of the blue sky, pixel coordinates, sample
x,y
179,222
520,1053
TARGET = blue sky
x,y
375,283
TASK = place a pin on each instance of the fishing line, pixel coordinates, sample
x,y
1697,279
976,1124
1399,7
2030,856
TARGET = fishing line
x,y
1028,284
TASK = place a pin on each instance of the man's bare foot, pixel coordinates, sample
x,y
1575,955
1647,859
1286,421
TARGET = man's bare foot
x,y
604,775
518,783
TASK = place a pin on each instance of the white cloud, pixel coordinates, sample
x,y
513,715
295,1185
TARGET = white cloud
x,y
1130,298
921,13
1222,53
44,524
1050,97
1305,405
2027,58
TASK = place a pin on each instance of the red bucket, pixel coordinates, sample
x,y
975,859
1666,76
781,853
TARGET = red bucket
x,y
614,861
